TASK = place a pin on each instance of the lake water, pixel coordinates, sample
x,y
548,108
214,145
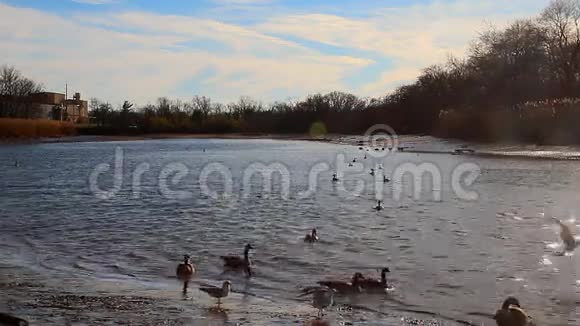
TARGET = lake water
x,y
452,260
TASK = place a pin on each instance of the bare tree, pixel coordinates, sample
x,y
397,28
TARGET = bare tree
x,y
561,23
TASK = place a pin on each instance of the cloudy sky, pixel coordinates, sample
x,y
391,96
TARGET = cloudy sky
x,y
268,49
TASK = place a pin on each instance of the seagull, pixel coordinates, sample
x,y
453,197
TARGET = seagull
x,y
312,237
322,298
184,272
217,292
237,262
567,237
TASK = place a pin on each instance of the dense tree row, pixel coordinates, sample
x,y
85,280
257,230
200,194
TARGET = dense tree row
x,y
516,83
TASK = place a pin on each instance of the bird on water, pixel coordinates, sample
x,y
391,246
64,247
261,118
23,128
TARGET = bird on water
x,y
312,237
512,314
239,263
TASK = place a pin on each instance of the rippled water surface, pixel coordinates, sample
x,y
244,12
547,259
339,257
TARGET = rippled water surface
x,y
454,260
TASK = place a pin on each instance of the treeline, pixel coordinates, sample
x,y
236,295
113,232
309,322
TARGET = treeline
x,y
519,83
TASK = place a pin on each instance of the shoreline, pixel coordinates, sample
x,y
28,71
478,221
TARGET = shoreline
x,y
109,138
410,142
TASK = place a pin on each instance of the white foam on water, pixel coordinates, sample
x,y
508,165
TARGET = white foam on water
x,y
553,245
545,261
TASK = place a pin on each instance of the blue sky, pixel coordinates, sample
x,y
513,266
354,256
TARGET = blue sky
x,y
268,49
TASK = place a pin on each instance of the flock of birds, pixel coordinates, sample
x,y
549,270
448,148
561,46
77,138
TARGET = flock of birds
x,y
322,294
510,314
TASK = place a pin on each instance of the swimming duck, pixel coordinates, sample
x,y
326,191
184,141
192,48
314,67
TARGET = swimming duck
x,y
322,298
239,263
343,286
334,178
218,292
512,314
185,272
370,284
379,205
372,172
312,237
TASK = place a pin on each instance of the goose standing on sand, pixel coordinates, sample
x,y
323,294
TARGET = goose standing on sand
x,y
512,314
370,284
322,298
218,292
185,272
344,287
379,206
567,237
239,263
312,237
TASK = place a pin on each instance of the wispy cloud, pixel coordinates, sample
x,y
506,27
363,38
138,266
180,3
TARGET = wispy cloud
x,y
142,55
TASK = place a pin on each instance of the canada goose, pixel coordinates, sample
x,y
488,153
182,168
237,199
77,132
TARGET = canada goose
x,y
511,314
567,237
365,156
334,178
239,263
370,284
217,292
322,298
354,160
379,205
8,320
385,179
312,237
350,165
372,172
16,163
185,272
344,287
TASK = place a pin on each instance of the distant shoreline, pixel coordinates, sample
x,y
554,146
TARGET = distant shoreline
x,y
109,138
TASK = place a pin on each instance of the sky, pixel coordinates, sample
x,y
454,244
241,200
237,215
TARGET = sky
x,y
139,50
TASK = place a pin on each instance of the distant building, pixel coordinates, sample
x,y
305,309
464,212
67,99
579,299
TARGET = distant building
x,y
45,105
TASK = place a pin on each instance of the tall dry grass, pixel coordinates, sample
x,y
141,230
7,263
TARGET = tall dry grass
x,y
24,128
